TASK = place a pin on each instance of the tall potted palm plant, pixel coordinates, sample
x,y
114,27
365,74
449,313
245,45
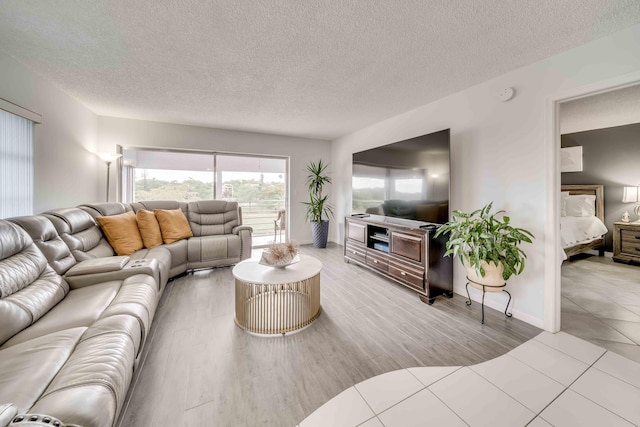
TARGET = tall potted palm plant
x,y
318,207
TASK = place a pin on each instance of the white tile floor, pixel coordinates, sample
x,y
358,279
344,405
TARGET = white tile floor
x,y
552,380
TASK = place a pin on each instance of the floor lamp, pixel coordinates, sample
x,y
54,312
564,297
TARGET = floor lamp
x,y
108,158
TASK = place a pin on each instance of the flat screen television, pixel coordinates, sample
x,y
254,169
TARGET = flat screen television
x,y
406,179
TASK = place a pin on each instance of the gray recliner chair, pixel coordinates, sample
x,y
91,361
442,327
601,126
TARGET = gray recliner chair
x,y
219,238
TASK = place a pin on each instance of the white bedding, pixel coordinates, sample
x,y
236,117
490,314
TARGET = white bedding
x,y
578,230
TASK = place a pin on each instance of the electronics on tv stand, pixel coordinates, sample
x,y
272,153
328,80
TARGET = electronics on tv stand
x,y
429,226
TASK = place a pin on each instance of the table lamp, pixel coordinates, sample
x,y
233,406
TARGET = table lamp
x,y
630,195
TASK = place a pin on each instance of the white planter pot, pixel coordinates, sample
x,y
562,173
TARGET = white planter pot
x,y
492,280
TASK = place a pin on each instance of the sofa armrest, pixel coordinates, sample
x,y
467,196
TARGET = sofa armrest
x,y
244,231
148,266
238,228
8,412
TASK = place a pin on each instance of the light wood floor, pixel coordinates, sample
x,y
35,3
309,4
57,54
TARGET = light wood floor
x,y
199,369
601,303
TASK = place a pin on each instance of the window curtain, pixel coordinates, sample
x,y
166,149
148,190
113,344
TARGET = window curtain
x,y
16,165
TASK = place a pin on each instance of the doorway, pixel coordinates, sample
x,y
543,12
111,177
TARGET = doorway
x,y
600,298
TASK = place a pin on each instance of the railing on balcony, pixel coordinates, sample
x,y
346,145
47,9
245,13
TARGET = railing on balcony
x,y
261,215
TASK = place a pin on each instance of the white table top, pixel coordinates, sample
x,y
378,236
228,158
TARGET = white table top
x,y
252,272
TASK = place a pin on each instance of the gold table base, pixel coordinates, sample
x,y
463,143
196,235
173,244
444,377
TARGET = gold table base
x,y
269,309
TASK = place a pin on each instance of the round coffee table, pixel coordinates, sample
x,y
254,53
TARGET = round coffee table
x,y
275,300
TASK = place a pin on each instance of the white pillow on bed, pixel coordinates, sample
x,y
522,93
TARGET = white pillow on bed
x,y
563,203
580,205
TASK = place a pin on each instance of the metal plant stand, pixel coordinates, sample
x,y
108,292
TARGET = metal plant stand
x,y
486,289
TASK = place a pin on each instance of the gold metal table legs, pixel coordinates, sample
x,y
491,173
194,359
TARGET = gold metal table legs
x,y
269,309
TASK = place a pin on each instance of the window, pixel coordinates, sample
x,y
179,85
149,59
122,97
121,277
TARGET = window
x,y
167,175
369,188
257,183
16,165
407,184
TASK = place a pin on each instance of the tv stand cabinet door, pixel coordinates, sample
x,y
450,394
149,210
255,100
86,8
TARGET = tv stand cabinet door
x,y
356,231
407,245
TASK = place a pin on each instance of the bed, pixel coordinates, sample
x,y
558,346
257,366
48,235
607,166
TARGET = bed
x,y
585,232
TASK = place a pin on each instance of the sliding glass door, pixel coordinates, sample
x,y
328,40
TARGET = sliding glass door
x,y
258,183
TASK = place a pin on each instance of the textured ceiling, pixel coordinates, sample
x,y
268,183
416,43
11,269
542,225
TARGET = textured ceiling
x,y
316,68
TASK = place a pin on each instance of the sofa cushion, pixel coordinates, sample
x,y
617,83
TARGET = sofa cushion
x,y
122,232
90,388
137,297
46,238
21,262
123,323
173,225
211,251
81,307
80,232
213,217
27,368
28,285
149,228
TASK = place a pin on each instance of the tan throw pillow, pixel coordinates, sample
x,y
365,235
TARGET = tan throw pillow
x,y
149,228
122,232
173,224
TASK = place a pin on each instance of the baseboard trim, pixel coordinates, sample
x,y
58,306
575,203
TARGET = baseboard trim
x,y
499,305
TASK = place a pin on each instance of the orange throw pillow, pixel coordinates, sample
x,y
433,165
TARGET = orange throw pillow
x,y
173,224
122,232
149,228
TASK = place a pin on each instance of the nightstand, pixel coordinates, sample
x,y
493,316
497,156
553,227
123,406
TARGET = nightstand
x,y
626,241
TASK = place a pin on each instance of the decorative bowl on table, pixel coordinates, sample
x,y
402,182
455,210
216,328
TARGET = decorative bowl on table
x,y
280,254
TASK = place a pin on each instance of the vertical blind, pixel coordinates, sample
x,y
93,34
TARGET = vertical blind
x,y
16,165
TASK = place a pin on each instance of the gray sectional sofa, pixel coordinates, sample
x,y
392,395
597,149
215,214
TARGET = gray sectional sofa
x,y
74,317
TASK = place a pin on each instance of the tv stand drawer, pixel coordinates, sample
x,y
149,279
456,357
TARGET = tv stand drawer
x,y
411,277
377,261
355,252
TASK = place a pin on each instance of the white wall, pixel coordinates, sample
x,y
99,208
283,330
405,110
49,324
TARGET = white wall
x,y
139,133
65,168
500,151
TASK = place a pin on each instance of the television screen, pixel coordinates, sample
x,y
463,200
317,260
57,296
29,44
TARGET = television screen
x,y
406,179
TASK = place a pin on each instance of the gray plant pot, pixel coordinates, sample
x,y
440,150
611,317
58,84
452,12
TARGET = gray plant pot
x,y
320,232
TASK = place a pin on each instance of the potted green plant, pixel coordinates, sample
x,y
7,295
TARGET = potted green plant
x,y
486,245
317,207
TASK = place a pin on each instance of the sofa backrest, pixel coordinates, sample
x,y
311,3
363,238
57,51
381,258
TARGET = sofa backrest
x,y
80,232
29,287
46,238
105,208
210,217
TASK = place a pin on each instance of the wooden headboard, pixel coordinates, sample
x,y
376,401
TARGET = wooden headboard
x,y
597,190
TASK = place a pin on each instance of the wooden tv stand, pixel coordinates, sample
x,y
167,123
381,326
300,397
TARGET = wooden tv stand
x,y
401,250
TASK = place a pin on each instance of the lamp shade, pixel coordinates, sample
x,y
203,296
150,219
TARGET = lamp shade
x,y
108,157
630,195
